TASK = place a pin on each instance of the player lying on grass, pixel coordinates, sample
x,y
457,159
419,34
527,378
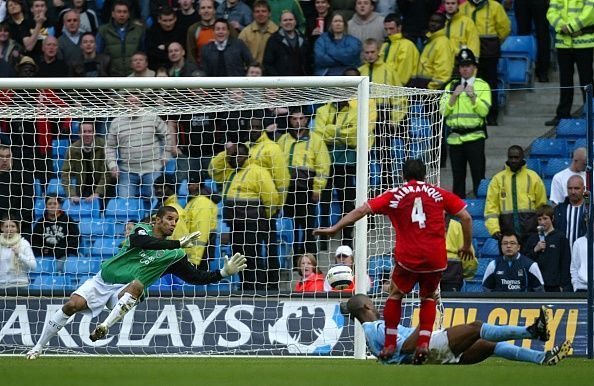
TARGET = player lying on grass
x,y
145,256
464,344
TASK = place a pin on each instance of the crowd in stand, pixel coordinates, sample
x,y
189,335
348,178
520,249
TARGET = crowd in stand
x,y
273,161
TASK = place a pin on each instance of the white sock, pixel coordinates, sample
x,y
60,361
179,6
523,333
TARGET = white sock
x,y
125,304
51,328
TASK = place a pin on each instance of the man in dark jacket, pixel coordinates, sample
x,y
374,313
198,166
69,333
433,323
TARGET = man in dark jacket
x,y
160,36
512,271
287,51
550,250
225,56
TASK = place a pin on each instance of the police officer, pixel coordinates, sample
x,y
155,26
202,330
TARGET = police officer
x,y
465,106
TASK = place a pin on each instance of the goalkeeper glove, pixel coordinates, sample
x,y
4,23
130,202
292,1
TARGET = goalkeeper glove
x,y
236,264
189,240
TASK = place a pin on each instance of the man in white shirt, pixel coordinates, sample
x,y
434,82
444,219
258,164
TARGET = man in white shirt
x,y
559,183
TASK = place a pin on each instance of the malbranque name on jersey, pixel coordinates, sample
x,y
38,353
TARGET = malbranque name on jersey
x,y
400,193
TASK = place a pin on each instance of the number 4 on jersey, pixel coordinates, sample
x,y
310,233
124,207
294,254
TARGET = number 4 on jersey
x,y
417,214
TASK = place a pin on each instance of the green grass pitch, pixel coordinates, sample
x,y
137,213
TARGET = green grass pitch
x,y
132,371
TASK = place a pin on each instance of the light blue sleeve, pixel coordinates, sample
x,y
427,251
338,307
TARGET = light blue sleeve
x,y
375,335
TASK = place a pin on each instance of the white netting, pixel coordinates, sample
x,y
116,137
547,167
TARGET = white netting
x,y
255,211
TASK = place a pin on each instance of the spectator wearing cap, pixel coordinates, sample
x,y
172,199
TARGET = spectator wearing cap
x,y
465,106
201,215
26,67
344,255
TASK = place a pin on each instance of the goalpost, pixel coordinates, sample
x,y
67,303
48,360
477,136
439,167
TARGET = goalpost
x,y
230,318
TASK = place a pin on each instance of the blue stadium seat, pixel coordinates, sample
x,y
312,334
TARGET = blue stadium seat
x,y
45,265
39,208
519,71
171,166
55,187
125,209
97,227
52,282
105,247
554,166
285,236
548,148
476,207
571,128
547,183
482,267
84,210
480,232
59,148
379,266
519,46
38,191
490,249
164,284
483,188
81,266
534,164
582,142
472,286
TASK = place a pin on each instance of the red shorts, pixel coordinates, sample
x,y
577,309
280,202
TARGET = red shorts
x,y
406,280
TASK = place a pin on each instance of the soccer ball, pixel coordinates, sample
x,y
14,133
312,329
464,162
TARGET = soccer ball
x,y
340,277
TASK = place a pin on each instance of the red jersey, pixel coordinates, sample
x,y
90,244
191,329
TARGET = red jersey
x,y
314,283
416,212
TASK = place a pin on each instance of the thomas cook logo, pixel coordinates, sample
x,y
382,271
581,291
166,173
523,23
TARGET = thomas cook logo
x,y
319,336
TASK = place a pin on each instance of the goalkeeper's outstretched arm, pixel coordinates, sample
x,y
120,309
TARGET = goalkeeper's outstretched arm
x,y
350,218
189,273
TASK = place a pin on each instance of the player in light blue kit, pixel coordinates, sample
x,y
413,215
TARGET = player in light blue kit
x,y
464,344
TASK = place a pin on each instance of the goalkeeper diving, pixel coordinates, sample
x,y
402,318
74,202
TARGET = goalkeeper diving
x,y
145,256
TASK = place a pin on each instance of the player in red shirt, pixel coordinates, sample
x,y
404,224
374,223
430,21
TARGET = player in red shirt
x,y
416,210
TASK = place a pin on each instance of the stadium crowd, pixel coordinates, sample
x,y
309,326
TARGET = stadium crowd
x,y
262,163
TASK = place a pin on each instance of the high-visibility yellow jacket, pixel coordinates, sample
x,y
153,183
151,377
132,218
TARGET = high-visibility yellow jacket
x,y
489,18
201,215
402,55
437,60
529,193
380,73
309,152
576,15
465,119
461,31
253,182
455,241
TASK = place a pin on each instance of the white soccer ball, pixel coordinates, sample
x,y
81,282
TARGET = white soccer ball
x,y
340,277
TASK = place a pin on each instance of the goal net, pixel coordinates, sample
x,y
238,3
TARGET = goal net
x,y
255,164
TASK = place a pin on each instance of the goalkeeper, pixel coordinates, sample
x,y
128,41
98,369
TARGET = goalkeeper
x,y
146,255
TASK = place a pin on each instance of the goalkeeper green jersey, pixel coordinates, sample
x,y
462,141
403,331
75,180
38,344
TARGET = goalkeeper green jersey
x,y
144,265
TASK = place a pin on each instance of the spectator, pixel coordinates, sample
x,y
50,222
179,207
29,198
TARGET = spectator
x,y
559,183
274,119
465,106
250,199
460,29
549,248
202,32
366,23
26,67
312,278
178,64
287,51
309,164
236,12
39,29
137,148
254,70
337,124
16,256
574,42
92,64
256,35
437,59
225,56
70,41
458,269
512,271
120,38
336,50
140,66
49,65
16,190
201,215
513,196
344,255
19,23
570,216
320,23
88,18
279,7
56,234
10,51
415,17
133,8
493,27
165,195
85,164
531,15
375,67
398,52
579,265
186,15
161,35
